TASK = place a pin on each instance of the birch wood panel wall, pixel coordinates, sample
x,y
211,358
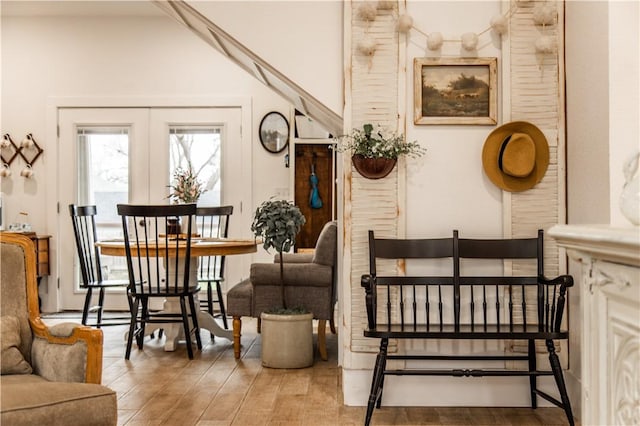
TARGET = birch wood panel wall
x,y
375,91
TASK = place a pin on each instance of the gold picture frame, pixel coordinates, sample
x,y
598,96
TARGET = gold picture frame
x,y
455,91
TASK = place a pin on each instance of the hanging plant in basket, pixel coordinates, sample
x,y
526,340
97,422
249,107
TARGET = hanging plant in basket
x,y
374,153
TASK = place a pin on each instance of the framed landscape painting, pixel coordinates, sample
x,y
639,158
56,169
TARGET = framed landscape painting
x,y
455,90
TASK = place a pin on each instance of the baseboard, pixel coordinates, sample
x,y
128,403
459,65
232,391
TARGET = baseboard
x,y
437,391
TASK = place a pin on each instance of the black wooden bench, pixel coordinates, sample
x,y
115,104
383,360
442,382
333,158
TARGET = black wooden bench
x,y
459,306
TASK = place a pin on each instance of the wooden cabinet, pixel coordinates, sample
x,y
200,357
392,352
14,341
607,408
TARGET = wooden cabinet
x,y
311,150
42,254
313,156
610,340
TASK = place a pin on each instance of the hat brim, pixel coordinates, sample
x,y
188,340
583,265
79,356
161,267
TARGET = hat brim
x,y
491,150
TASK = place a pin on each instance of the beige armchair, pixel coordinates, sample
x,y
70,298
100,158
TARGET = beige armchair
x,y
50,375
310,281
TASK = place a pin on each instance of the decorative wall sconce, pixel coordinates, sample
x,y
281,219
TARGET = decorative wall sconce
x,y
29,144
8,151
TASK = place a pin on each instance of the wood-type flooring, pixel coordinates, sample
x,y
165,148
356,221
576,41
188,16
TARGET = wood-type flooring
x,y
166,388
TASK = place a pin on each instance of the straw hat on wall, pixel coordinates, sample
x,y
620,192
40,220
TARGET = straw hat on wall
x,y
515,156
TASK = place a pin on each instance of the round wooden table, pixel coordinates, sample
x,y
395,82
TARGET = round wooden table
x,y
199,247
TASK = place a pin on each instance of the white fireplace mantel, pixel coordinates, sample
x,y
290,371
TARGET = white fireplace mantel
x,y
610,338
618,245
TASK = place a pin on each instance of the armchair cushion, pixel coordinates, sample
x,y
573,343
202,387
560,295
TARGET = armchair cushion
x,y
11,359
32,400
294,258
327,245
295,274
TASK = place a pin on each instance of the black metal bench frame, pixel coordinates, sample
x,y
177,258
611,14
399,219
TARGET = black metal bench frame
x,y
403,315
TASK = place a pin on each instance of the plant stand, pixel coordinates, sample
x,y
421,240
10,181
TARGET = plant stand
x,y
287,340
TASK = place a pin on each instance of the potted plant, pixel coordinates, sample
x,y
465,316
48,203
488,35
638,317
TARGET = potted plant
x,y
374,153
287,340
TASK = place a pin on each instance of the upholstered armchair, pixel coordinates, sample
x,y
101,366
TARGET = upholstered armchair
x,y
310,281
50,375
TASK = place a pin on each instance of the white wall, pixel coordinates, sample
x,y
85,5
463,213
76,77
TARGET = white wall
x,y
302,39
602,128
449,178
118,58
624,96
587,147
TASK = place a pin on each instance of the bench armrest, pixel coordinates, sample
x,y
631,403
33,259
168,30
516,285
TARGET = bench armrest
x,y
368,283
565,281
67,352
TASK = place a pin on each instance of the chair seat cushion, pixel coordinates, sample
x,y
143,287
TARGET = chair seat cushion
x,y
11,358
32,400
239,299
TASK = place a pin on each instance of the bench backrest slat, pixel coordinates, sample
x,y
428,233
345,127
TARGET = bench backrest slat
x,y
505,303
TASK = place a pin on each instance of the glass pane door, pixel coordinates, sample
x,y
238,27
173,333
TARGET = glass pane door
x,y
198,148
105,162
118,155
103,181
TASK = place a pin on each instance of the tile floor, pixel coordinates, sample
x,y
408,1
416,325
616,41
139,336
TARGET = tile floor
x,y
166,388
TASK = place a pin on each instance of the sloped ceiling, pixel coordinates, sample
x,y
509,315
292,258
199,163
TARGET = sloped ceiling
x,y
238,53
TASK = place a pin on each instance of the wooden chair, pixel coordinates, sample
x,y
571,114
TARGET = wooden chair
x,y
84,229
213,222
159,266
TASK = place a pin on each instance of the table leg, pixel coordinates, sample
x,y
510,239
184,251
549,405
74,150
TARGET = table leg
x,y
174,332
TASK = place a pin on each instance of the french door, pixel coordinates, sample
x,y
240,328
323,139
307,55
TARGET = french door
x,y
127,155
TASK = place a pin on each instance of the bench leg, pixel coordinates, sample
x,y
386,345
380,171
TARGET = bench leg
x,y
557,374
237,333
322,339
375,397
533,379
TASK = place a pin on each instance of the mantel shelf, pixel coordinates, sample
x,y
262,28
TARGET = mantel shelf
x,y
615,244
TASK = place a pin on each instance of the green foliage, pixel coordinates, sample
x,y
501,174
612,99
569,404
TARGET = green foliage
x,y
378,144
277,222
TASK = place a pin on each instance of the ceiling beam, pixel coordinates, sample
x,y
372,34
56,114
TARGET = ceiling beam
x,y
238,53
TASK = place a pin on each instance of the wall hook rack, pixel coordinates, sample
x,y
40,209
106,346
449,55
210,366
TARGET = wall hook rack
x,y
10,148
29,144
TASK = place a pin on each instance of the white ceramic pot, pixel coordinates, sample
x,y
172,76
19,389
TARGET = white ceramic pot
x,y
287,340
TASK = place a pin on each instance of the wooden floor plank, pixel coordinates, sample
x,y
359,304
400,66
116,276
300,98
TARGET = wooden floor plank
x,y
166,388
